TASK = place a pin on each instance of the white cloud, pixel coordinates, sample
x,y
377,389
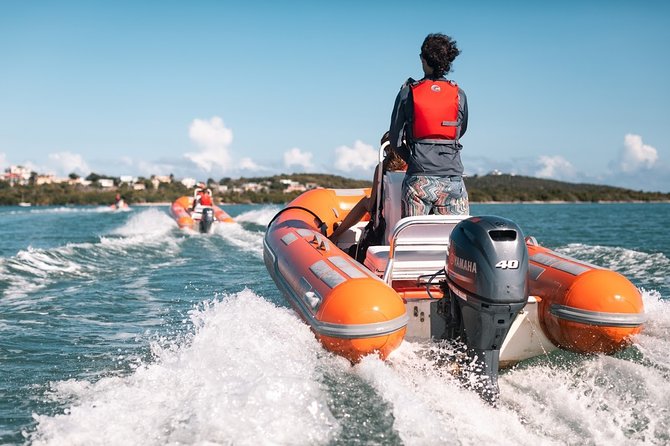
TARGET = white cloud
x,y
296,157
249,164
146,168
636,155
361,157
555,167
64,163
653,178
3,160
214,139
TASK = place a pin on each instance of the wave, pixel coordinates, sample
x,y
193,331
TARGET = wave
x,y
648,270
65,210
146,234
260,217
250,371
220,385
243,239
148,223
429,405
560,399
653,342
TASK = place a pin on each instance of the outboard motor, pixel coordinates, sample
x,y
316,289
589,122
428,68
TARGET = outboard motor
x,y
487,268
206,220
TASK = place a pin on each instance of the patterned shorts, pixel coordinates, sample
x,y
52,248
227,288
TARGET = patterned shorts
x,y
422,194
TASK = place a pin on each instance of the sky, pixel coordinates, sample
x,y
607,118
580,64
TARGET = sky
x,y
576,91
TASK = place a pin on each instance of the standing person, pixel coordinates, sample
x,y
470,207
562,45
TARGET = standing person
x,y
429,118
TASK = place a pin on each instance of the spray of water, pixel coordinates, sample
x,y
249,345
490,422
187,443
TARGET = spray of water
x,y
250,372
33,269
260,217
247,375
240,237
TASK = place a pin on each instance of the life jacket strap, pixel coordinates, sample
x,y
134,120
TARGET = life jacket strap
x,y
441,142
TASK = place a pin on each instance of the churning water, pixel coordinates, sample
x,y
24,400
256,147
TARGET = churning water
x,y
117,328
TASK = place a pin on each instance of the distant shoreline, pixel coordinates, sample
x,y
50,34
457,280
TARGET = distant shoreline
x,y
281,189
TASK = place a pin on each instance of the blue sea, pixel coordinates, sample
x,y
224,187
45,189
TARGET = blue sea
x,y
117,328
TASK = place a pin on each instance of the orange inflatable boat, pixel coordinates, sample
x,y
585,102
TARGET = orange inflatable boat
x,y
442,277
199,217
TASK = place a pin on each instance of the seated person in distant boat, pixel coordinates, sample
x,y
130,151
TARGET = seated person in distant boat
x,y
203,197
119,202
206,198
392,163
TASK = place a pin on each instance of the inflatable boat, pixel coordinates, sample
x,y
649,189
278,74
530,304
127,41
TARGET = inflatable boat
x,y
189,214
473,278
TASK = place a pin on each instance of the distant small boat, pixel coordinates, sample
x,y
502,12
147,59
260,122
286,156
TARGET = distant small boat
x,y
25,204
199,217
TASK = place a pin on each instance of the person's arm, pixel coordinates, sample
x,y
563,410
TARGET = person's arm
x,y
355,215
364,205
373,192
462,111
398,121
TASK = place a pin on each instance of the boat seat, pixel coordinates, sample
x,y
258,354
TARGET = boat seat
x,y
392,204
409,264
419,246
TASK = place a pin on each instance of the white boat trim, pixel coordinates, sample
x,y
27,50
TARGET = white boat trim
x,y
600,318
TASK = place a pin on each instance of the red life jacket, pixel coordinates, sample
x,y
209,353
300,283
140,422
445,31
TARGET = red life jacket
x,y
206,200
435,110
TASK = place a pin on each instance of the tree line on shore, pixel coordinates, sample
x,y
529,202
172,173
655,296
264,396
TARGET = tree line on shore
x,y
488,188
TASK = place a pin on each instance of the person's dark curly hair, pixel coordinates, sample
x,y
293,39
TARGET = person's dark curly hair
x,y
439,51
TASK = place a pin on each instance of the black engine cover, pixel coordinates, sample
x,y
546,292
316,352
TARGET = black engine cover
x,y
487,276
488,260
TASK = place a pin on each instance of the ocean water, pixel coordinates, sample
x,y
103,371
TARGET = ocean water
x,y
116,328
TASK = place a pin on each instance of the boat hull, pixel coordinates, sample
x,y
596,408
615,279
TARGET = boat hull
x,y
349,309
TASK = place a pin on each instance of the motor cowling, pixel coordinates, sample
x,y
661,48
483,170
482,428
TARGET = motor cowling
x,y
487,270
206,219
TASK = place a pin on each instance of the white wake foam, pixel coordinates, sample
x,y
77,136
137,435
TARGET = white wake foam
x,y
601,400
650,269
430,407
149,222
249,375
32,269
241,238
259,217
597,400
654,341
66,210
